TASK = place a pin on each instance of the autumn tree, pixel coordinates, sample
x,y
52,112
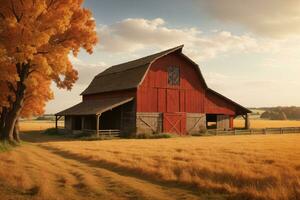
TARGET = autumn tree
x,y
36,38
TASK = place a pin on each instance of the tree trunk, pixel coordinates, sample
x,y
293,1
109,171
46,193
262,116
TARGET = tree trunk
x,y
16,132
14,112
9,128
2,123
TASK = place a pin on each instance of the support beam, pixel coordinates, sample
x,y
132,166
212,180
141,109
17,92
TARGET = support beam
x,y
247,121
56,123
97,125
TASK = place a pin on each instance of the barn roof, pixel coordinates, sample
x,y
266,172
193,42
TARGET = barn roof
x,y
95,107
126,75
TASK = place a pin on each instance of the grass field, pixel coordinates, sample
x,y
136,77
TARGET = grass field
x,y
220,167
34,125
37,125
258,123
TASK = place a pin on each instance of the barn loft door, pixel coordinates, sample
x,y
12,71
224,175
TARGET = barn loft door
x,y
174,123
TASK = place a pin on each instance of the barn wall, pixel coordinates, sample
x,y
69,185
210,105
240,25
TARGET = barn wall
x,y
128,119
148,123
217,105
156,95
124,93
223,122
195,123
68,122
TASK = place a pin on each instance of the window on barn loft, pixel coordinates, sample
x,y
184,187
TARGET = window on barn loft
x,y
173,75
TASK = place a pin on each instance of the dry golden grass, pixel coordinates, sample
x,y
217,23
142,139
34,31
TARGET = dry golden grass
x,y
258,123
244,167
40,173
36,125
222,167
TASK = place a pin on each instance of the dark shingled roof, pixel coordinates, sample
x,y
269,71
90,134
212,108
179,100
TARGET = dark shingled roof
x,y
124,76
95,107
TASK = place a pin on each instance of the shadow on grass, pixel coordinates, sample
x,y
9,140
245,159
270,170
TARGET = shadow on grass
x,y
205,193
41,137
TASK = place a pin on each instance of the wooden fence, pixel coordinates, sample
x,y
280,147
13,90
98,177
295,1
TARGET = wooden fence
x,y
107,133
251,131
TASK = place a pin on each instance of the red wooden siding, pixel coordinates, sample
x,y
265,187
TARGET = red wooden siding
x,y
156,95
217,105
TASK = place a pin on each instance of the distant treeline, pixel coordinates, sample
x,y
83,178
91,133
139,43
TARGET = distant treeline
x,y
281,113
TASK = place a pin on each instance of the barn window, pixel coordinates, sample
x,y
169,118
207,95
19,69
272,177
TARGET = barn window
x,y
173,75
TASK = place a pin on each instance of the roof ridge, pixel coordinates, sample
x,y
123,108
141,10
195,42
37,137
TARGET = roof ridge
x,y
148,59
100,75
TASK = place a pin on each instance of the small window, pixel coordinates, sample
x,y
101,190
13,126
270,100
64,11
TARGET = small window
x,y
173,75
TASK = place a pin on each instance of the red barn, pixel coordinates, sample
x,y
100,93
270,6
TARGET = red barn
x,y
163,92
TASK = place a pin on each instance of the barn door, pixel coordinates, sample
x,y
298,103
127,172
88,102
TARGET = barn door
x,y
195,122
173,99
175,123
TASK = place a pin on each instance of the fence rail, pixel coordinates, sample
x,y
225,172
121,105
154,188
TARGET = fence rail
x,y
283,130
104,133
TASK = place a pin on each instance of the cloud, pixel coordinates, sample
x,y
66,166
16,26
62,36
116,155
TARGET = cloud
x,y
216,80
87,71
272,18
133,35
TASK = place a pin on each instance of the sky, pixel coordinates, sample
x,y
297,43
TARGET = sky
x,y
247,50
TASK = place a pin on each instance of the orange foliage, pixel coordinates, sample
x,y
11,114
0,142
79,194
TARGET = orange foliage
x,y
41,34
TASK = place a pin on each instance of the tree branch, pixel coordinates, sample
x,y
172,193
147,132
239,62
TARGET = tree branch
x,y
33,3
11,86
41,52
2,15
30,72
13,9
22,2
50,4
18,66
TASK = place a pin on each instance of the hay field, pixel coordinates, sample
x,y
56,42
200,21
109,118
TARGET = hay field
x,y
218,167
38,125
259,123
242,167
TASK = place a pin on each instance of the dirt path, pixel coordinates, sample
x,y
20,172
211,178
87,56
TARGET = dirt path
x,y
43,173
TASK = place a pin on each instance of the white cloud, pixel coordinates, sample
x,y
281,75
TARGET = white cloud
x,y
87,71
216,80
273,18
133,35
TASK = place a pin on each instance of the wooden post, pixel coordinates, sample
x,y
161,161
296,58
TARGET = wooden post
x,y
265,131
121,123
56,124
97,125
247,121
